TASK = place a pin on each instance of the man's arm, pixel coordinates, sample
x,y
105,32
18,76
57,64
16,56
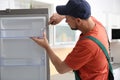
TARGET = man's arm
x,y
60,66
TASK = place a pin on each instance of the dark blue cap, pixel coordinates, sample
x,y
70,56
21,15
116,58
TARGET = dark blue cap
x,y
76,8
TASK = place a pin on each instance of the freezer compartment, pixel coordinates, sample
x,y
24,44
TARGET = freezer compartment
x,y
23,73
22,27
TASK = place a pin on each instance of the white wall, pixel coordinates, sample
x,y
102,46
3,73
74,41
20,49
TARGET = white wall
x,y
5,4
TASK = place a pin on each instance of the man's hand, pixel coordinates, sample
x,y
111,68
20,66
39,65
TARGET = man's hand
x,y
55,19
41,41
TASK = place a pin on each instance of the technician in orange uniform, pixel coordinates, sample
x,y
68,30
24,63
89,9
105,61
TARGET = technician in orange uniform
x,y
86,56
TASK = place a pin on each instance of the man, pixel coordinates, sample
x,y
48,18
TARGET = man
x,y
86,56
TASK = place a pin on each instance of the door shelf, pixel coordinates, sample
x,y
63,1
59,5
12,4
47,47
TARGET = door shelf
x,y
21,62
20,33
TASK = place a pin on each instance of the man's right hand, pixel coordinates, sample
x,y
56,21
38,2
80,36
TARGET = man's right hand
x,y
55,19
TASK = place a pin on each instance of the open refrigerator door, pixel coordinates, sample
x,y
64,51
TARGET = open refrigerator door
x,y
20,57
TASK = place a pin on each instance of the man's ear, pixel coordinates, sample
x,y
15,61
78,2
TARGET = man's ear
x,y
78,21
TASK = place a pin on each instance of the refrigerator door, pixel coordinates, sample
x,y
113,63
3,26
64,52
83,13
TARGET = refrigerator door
x,y
20,57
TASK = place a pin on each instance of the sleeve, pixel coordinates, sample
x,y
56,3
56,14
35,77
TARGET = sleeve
x,y
80,55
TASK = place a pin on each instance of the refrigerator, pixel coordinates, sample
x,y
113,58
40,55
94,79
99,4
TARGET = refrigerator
x,y
20,57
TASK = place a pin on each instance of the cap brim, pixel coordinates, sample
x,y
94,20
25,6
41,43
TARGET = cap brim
x,y
61,10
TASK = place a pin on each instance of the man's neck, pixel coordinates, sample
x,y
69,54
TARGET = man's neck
x,y
90,24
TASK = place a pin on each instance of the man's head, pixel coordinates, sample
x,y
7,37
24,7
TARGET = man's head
x,y
75,8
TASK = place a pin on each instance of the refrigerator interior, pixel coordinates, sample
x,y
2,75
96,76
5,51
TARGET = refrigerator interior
x,y
20,57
